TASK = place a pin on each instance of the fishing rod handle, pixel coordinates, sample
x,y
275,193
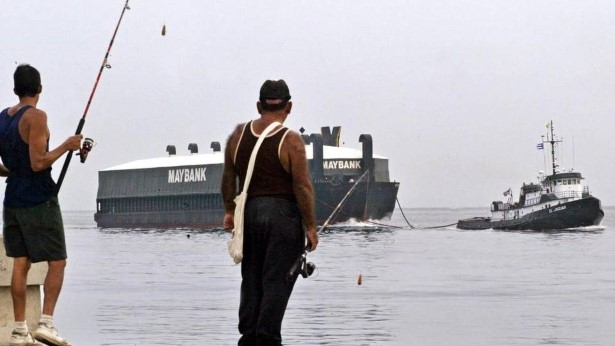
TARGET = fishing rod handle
x,y
80,126
294,269
69,156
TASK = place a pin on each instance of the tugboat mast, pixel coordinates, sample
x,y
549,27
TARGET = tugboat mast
x,y
552,141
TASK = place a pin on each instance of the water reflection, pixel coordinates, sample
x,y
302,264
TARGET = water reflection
x,y
578,230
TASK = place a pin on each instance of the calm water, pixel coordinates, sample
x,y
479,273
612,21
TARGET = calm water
x,y
420,286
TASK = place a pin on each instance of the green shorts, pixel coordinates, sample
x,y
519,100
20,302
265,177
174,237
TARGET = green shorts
x,y
36,232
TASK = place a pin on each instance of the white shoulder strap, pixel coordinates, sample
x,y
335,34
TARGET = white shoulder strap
x,y
261,138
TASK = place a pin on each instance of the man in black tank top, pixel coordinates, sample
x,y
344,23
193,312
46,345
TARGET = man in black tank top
x,y
278,216
32,229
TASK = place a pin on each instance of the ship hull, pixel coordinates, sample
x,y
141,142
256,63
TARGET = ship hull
x,y
578,213
184,191
368,201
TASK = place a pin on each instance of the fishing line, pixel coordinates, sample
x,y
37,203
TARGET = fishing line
x,y
338,209
301,265
342,202
105,64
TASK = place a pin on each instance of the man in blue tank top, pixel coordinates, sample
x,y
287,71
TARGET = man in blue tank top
x,y
280,206
33,230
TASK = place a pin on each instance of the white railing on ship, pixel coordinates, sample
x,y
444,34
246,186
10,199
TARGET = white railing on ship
x,y
530,202
569,194
561,195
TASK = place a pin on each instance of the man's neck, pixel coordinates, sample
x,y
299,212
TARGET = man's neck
x,y
27,101
269,117
266,119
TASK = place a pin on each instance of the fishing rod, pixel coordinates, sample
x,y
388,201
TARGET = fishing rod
x,y
307,268
88,143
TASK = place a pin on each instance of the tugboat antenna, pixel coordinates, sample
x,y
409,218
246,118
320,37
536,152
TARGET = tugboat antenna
x,y
552,141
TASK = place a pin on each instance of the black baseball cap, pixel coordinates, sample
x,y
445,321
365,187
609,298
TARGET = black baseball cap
x,y
274,90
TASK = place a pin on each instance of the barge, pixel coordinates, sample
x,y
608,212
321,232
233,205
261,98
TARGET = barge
x,y
183,191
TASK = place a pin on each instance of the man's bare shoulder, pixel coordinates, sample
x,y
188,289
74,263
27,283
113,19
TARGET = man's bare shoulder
x,y
35,115
233,139
239,128
234,136
294,142
294,137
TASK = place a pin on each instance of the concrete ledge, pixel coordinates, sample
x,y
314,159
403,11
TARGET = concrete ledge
x,y
36,277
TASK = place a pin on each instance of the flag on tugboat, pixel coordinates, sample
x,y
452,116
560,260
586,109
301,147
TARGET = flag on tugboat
x,y
507,192
540,146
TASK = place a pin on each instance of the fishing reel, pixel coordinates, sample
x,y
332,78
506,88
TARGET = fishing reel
x,y
86,146
301,267
307,268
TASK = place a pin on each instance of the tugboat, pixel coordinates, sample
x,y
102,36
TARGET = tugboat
x,y
559,201
183,191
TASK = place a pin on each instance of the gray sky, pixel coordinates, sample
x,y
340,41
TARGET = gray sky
x,y
455,93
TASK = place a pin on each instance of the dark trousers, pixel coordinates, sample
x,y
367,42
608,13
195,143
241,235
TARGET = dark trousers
x,y
273,239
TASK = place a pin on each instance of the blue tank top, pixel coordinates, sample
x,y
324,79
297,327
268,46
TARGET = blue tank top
x,y
24,187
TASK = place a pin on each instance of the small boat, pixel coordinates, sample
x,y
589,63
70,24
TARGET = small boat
x,y
559,201
183,191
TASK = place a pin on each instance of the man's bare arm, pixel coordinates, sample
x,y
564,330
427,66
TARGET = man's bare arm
x,y
229,179
35,132
229,184
296,161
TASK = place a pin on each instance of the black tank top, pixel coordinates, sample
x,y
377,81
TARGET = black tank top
x,y
24,187
269,177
